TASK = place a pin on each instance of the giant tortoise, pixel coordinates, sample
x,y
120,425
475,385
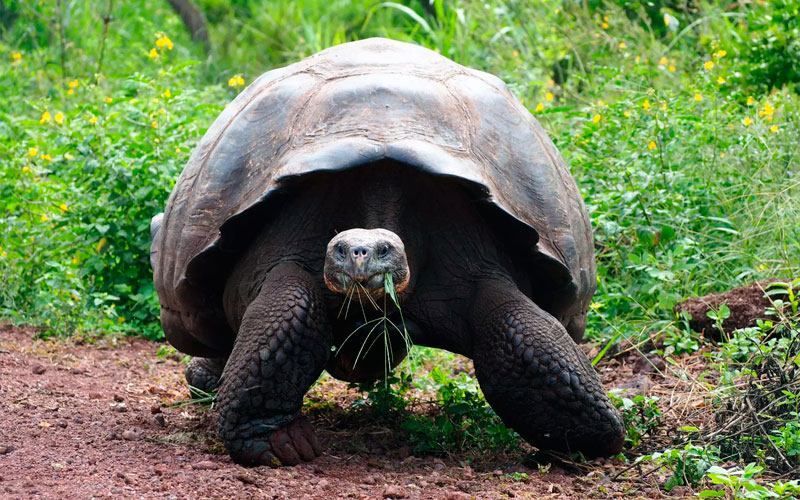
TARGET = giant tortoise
x,y
371,196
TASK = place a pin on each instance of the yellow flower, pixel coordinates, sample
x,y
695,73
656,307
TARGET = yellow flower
x,y
236,81
167,94
45,117
33,152
548,96
75,261
109,100
722,155
663,106
663,61
605,18
100,244
43,218
540,107
93,120
767,111
515,53
46,157
774,129
671,68
63,207
698,97
59,118
604,25
709,65
68,156
153,54
646,105
638,58
622,45
162,111
16,58
596,118
666,20
74,84
720,80
164,41
154,124
600,102
651,146
26,169
720,53
70,92
747,121
627,113
750,100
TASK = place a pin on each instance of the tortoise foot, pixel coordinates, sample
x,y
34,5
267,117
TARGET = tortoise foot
x,y
290,445
203,374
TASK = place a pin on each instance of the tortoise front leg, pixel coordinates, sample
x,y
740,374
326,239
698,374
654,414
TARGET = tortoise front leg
x,y
537,379
281,348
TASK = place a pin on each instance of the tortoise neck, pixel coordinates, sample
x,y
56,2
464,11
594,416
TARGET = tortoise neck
x,y
382,199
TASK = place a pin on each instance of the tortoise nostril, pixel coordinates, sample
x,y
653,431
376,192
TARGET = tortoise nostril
x,y
360,252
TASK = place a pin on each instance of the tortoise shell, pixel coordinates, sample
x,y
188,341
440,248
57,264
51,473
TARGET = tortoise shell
x,y
356,104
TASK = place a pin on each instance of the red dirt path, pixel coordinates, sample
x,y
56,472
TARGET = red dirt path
x,y
95,421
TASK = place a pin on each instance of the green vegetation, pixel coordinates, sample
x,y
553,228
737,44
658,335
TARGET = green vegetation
x,y
680,122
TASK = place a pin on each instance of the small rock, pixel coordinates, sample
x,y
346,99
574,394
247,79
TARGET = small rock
x,y
161,420
119,407
323,483
118,398
245,478
130,435
438,464
155,409
5,449
456,495
38,369
62,424
96,395
206,465
113,436
78,420
394,491
370,480
639,385
554,488
652,363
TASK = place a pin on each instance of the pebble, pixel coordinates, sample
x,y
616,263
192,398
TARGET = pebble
x,y
5,449
161,420
206,465
129,435
39,369
118,398
245,478
155,409
456,495
394,491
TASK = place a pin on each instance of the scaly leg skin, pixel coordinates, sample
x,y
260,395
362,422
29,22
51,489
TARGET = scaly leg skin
x,y
281,348
537,379
203,374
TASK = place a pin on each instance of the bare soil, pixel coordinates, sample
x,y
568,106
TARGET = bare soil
x,y
98,421
747,304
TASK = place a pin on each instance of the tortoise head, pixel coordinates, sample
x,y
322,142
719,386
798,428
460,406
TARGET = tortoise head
x,y
361,259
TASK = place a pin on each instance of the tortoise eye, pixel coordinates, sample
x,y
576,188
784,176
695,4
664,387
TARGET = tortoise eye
x,y
382,251
339,250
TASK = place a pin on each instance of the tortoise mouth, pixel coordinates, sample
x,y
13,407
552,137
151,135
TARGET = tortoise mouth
x,y
375,285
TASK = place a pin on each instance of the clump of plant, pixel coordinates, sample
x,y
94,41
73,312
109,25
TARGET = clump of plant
x,y
462,420
641,415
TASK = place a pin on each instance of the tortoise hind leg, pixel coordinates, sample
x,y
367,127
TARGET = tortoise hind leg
x,y
281,348
204,374
537,379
